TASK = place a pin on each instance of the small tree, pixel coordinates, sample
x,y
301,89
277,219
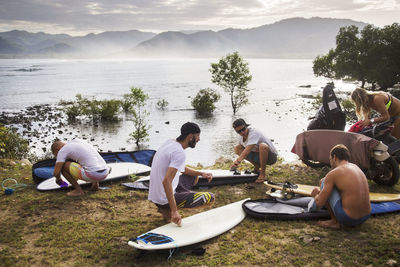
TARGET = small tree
x,y
137,108
204,101
232,74
162,104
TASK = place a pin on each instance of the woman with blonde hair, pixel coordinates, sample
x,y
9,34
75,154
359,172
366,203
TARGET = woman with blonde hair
x,y
385,104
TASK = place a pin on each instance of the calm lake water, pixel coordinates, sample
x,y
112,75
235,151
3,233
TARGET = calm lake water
x,y
276,103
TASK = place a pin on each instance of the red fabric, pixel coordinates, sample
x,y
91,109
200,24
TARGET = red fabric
x,y
356,127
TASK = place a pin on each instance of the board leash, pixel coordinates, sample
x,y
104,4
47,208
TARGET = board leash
x,y
9,189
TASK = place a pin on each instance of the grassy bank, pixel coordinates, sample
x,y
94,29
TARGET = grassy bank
x,y
51,229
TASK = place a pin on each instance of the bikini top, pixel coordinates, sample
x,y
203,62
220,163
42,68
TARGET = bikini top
x,y
389,103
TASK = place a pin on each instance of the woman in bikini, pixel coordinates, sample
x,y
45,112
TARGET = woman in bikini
x,y
385,104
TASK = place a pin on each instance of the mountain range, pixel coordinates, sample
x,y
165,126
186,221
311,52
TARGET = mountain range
x,y
289,38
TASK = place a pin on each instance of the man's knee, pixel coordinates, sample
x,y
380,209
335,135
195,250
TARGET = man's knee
x,y
264,148
203,198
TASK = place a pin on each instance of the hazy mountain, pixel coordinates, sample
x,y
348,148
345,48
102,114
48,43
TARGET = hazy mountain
x,y
27,42
290,38
7,48
297,37
173,44
24,43
109,42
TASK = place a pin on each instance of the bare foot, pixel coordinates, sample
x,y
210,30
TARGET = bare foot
x,y
261,178
329,224
94,187
75,193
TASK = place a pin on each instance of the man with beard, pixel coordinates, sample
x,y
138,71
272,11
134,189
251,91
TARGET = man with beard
x,y
169,189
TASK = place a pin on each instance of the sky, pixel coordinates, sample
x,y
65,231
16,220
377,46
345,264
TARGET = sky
x,y
80,17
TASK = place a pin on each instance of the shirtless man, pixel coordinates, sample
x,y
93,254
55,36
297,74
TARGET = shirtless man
x,y
77,159
344,191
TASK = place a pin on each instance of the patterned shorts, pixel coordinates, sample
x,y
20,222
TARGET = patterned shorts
x,y
78,172
186,198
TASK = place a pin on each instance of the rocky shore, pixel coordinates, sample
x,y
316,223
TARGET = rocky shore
x,y
40,125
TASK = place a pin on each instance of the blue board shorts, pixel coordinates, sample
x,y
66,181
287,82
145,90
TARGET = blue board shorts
x,y
335,202
255,157
186,198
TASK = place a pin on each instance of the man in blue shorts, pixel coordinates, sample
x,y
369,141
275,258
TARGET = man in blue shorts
x,y
169,189
344,191
254,147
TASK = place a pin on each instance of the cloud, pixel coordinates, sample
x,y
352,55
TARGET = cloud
x,y
83,16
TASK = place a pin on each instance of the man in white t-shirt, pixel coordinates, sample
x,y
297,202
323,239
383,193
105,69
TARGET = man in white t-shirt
x,y
170,190
77,159
254,147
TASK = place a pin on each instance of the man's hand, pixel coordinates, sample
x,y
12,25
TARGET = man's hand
x,y
59,181
208,176
315,192
176,218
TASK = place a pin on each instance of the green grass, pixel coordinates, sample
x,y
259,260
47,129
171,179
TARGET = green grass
x,y
51,229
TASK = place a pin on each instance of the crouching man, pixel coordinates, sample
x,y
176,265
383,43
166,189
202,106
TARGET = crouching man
x,y
344,192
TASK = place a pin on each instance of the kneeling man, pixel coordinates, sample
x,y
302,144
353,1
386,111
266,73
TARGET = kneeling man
x,y
170,190
344,191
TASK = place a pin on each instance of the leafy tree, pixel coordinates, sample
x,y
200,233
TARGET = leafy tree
x,y
232,74
388,66
204,101
347,55
324,65
137,107
371,55
12,145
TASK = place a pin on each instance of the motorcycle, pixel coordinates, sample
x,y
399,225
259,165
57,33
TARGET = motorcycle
x,y
373,149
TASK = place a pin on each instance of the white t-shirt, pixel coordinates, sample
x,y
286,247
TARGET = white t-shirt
x,y
83,153
256,137
170,154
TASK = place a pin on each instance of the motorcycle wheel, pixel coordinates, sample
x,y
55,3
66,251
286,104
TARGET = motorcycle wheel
x,y
385,172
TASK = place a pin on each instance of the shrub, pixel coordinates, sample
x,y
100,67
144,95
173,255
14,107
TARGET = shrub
x,y
106,110
109,109
349,110
72,111
12,145
126,102
162,104
204,101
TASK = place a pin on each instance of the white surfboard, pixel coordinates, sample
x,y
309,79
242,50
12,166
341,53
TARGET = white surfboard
x,y
118,170
220,177
194,229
